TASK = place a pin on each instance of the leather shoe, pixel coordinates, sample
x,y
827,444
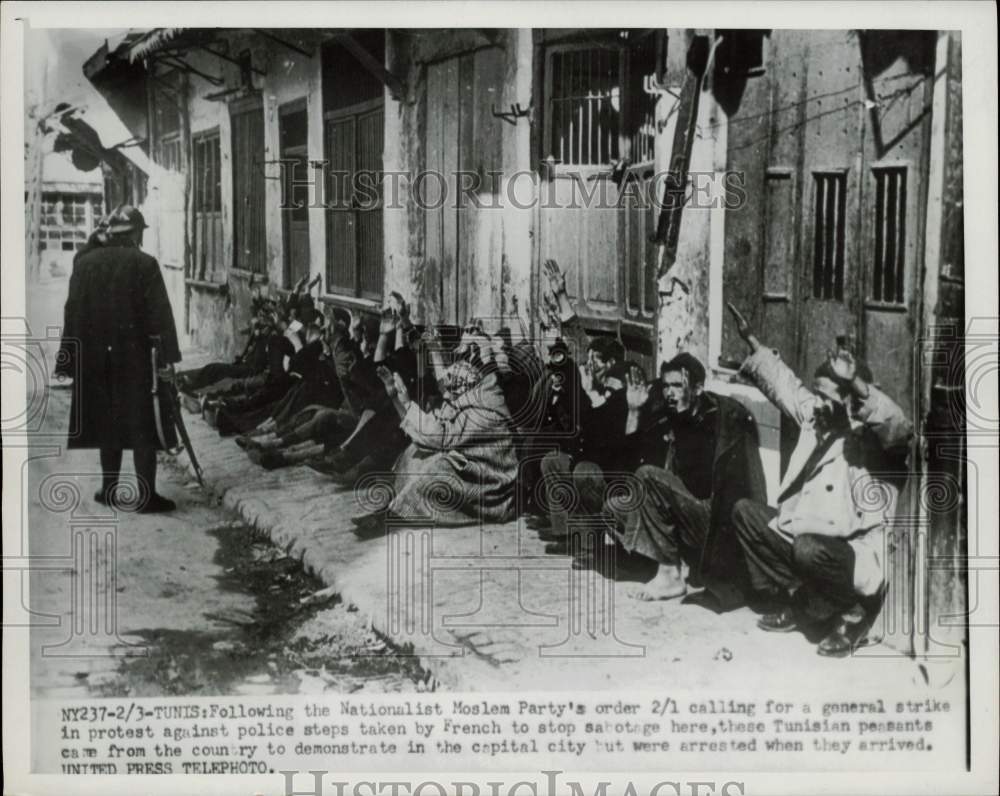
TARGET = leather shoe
x,y
847,635
539,522
350,476
782,621
273,460
156,504
372,525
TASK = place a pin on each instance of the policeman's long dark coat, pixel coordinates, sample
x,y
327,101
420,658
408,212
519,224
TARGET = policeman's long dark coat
x,y
117,300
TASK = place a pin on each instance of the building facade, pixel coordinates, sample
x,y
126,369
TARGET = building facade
x,y
823,198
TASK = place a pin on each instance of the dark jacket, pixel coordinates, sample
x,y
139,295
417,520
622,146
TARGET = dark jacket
x,y
736,473
359,381
117,301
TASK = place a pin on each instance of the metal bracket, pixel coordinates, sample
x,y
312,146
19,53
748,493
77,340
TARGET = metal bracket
x,y
228,59
517,111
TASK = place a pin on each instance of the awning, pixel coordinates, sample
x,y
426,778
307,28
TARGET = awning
x,y
151,42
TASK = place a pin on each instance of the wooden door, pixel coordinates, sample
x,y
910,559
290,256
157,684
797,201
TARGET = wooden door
x,y
463,159
897,94
249,244
293,137
353,142
830,273
579,218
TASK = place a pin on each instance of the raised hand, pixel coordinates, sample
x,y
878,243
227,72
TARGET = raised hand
x,y
399,386
551,310
744,328
388,380
586,377
354,324
387,323
636,389
403,315
557,279
843,364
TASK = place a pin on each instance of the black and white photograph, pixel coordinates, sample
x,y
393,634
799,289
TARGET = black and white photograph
x,y
397,394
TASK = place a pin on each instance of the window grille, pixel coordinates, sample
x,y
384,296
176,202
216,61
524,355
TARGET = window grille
x,y
829,207
888,267
206,155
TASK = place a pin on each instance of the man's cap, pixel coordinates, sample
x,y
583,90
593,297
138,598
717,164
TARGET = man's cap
x,y
125,219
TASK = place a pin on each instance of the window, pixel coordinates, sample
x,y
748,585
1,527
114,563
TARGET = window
x,y
250,246
74,212
205,152
597,108
353,132
293,134
888,275
167,107
169,153
584,104
829,206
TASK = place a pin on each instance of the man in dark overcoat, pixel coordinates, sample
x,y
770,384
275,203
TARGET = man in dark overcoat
x,y
117,305
697,455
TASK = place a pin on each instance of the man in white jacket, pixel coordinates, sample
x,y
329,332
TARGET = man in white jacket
x,y
820,554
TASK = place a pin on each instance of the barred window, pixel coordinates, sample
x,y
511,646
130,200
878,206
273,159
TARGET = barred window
x,y
829,207
888,267
169,152
167,107
206,158
596,102
584,104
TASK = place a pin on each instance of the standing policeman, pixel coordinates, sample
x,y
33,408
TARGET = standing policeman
x,y
117,302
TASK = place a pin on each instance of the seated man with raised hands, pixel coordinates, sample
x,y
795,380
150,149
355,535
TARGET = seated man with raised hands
x,y
820,555
696,456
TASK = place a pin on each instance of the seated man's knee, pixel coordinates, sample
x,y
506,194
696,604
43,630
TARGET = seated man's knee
x,y
588,472
743,510
648,472
554,462
808,551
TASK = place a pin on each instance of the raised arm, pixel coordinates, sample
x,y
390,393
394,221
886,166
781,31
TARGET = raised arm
x,y
386,333
765,368
872,407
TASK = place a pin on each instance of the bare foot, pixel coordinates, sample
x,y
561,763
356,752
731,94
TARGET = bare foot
x,y
666,584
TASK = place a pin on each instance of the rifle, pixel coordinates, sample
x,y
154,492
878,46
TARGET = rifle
x,y
169,392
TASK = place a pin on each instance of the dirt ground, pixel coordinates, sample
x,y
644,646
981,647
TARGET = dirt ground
x,y
202,604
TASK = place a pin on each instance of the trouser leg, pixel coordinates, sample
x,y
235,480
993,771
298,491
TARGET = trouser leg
x,y
560,494
588,522
660,519
145,469
768,554
826,566
111,467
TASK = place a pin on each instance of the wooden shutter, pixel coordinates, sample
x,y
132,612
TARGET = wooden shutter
x,y
250,246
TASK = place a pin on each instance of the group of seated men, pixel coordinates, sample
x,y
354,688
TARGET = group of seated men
x,y
472,427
